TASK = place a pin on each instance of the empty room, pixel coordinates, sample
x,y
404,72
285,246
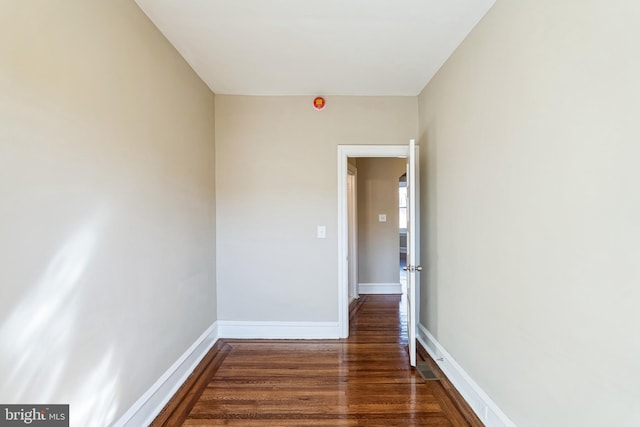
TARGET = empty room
x,y
189,232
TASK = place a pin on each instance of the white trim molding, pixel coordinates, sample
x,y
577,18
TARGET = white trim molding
x,y
149,405
485,408
278,330
380,288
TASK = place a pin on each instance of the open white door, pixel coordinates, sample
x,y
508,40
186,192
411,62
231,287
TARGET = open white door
x,y
413,263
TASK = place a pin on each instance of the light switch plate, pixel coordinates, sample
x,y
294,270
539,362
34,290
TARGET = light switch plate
x,y
382,218
322,232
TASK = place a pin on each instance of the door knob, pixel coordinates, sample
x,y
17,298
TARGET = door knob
x,y
418,268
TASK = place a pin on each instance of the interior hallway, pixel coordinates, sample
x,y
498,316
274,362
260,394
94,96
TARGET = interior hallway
x,y
364,380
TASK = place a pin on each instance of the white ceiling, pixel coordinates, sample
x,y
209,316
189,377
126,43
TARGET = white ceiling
x,y
316,47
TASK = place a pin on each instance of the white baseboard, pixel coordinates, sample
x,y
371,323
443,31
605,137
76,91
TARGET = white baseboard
x,y
379,288
149,405
278,330
480,402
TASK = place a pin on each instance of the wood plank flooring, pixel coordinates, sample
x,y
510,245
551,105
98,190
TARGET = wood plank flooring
x,y
364,380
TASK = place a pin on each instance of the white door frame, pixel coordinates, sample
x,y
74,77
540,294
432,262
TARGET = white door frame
x,y
344,152
353,232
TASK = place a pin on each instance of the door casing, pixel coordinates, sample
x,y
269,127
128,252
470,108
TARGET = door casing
x,y
352,181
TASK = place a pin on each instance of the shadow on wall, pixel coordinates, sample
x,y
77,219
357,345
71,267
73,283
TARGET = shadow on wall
x,y
429,229
37,338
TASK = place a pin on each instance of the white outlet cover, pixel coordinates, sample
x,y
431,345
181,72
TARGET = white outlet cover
x,y
382,218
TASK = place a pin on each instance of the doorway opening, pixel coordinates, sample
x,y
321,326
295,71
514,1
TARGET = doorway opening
x,y
410,153
346,261
402,240
377,226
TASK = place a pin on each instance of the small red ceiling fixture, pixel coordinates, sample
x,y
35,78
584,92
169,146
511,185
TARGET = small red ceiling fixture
x,y
319,103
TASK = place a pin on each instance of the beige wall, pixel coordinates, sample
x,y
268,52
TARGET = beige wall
x,y
276,180
529,137
106,205
378,242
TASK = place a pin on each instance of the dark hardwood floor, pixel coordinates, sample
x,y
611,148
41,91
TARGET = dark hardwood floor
x,y
364,380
